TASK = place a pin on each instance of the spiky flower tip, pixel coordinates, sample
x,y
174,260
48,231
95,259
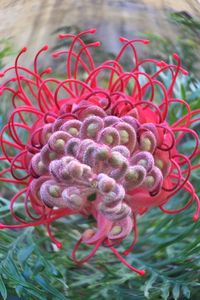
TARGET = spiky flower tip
x,y
99,146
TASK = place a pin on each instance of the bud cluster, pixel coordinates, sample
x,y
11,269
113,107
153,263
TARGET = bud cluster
x,y
99,157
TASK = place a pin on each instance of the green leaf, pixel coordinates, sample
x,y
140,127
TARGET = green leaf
x,y
165,289
3,290
186,291
183,92
25,253
176,291
149,284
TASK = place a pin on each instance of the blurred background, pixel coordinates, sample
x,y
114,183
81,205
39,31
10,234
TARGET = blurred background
x,y
169,24
168,247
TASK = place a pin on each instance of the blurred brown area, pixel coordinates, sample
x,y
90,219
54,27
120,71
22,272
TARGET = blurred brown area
x,y
32,23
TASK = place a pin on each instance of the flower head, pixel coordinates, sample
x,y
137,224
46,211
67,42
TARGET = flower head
x,y
97,143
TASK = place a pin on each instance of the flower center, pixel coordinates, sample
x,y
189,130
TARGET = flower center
x,y
101,155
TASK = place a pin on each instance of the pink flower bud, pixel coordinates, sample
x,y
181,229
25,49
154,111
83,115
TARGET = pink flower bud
x,y
105,183
46,133
90,127
134,177
127,135
50,193
47,155
111,120
72,127
58,140
72,198
92,110
154,180
109,136
71,147
147,141
144,159
121,229
37,166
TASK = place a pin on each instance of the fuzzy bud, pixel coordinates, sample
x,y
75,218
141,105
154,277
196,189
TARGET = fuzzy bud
x,y
58,140
75,169
37,167
36,185
102,153
115,196
47,155
105,183
111,120
134,176
109,136
127,135
148,141
92,110
90,127
144,159
121,229
72,198
50,193
119,163
133,122
162,162
123,150
72,127
46,133
71,147
154,180
89,155
58,168
121,214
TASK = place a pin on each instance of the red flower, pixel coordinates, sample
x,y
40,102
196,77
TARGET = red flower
x,y
99,146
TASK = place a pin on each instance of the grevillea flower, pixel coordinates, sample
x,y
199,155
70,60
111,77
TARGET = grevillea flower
x,y
98,143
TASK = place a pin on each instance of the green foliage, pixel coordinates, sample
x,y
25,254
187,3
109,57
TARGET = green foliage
x,y
186,43
168,249
5,50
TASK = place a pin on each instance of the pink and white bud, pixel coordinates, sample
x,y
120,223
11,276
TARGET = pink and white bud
x,y
119,165
50,194
46,133
72,127
134,177
73,198
111,120
123,150
90,127
92,111
37,167
147,141
105,183
71,147
154,180
48,155
109,136
58,140
115,196
127,134
121,229
144,159
121,214
133,122
75,169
